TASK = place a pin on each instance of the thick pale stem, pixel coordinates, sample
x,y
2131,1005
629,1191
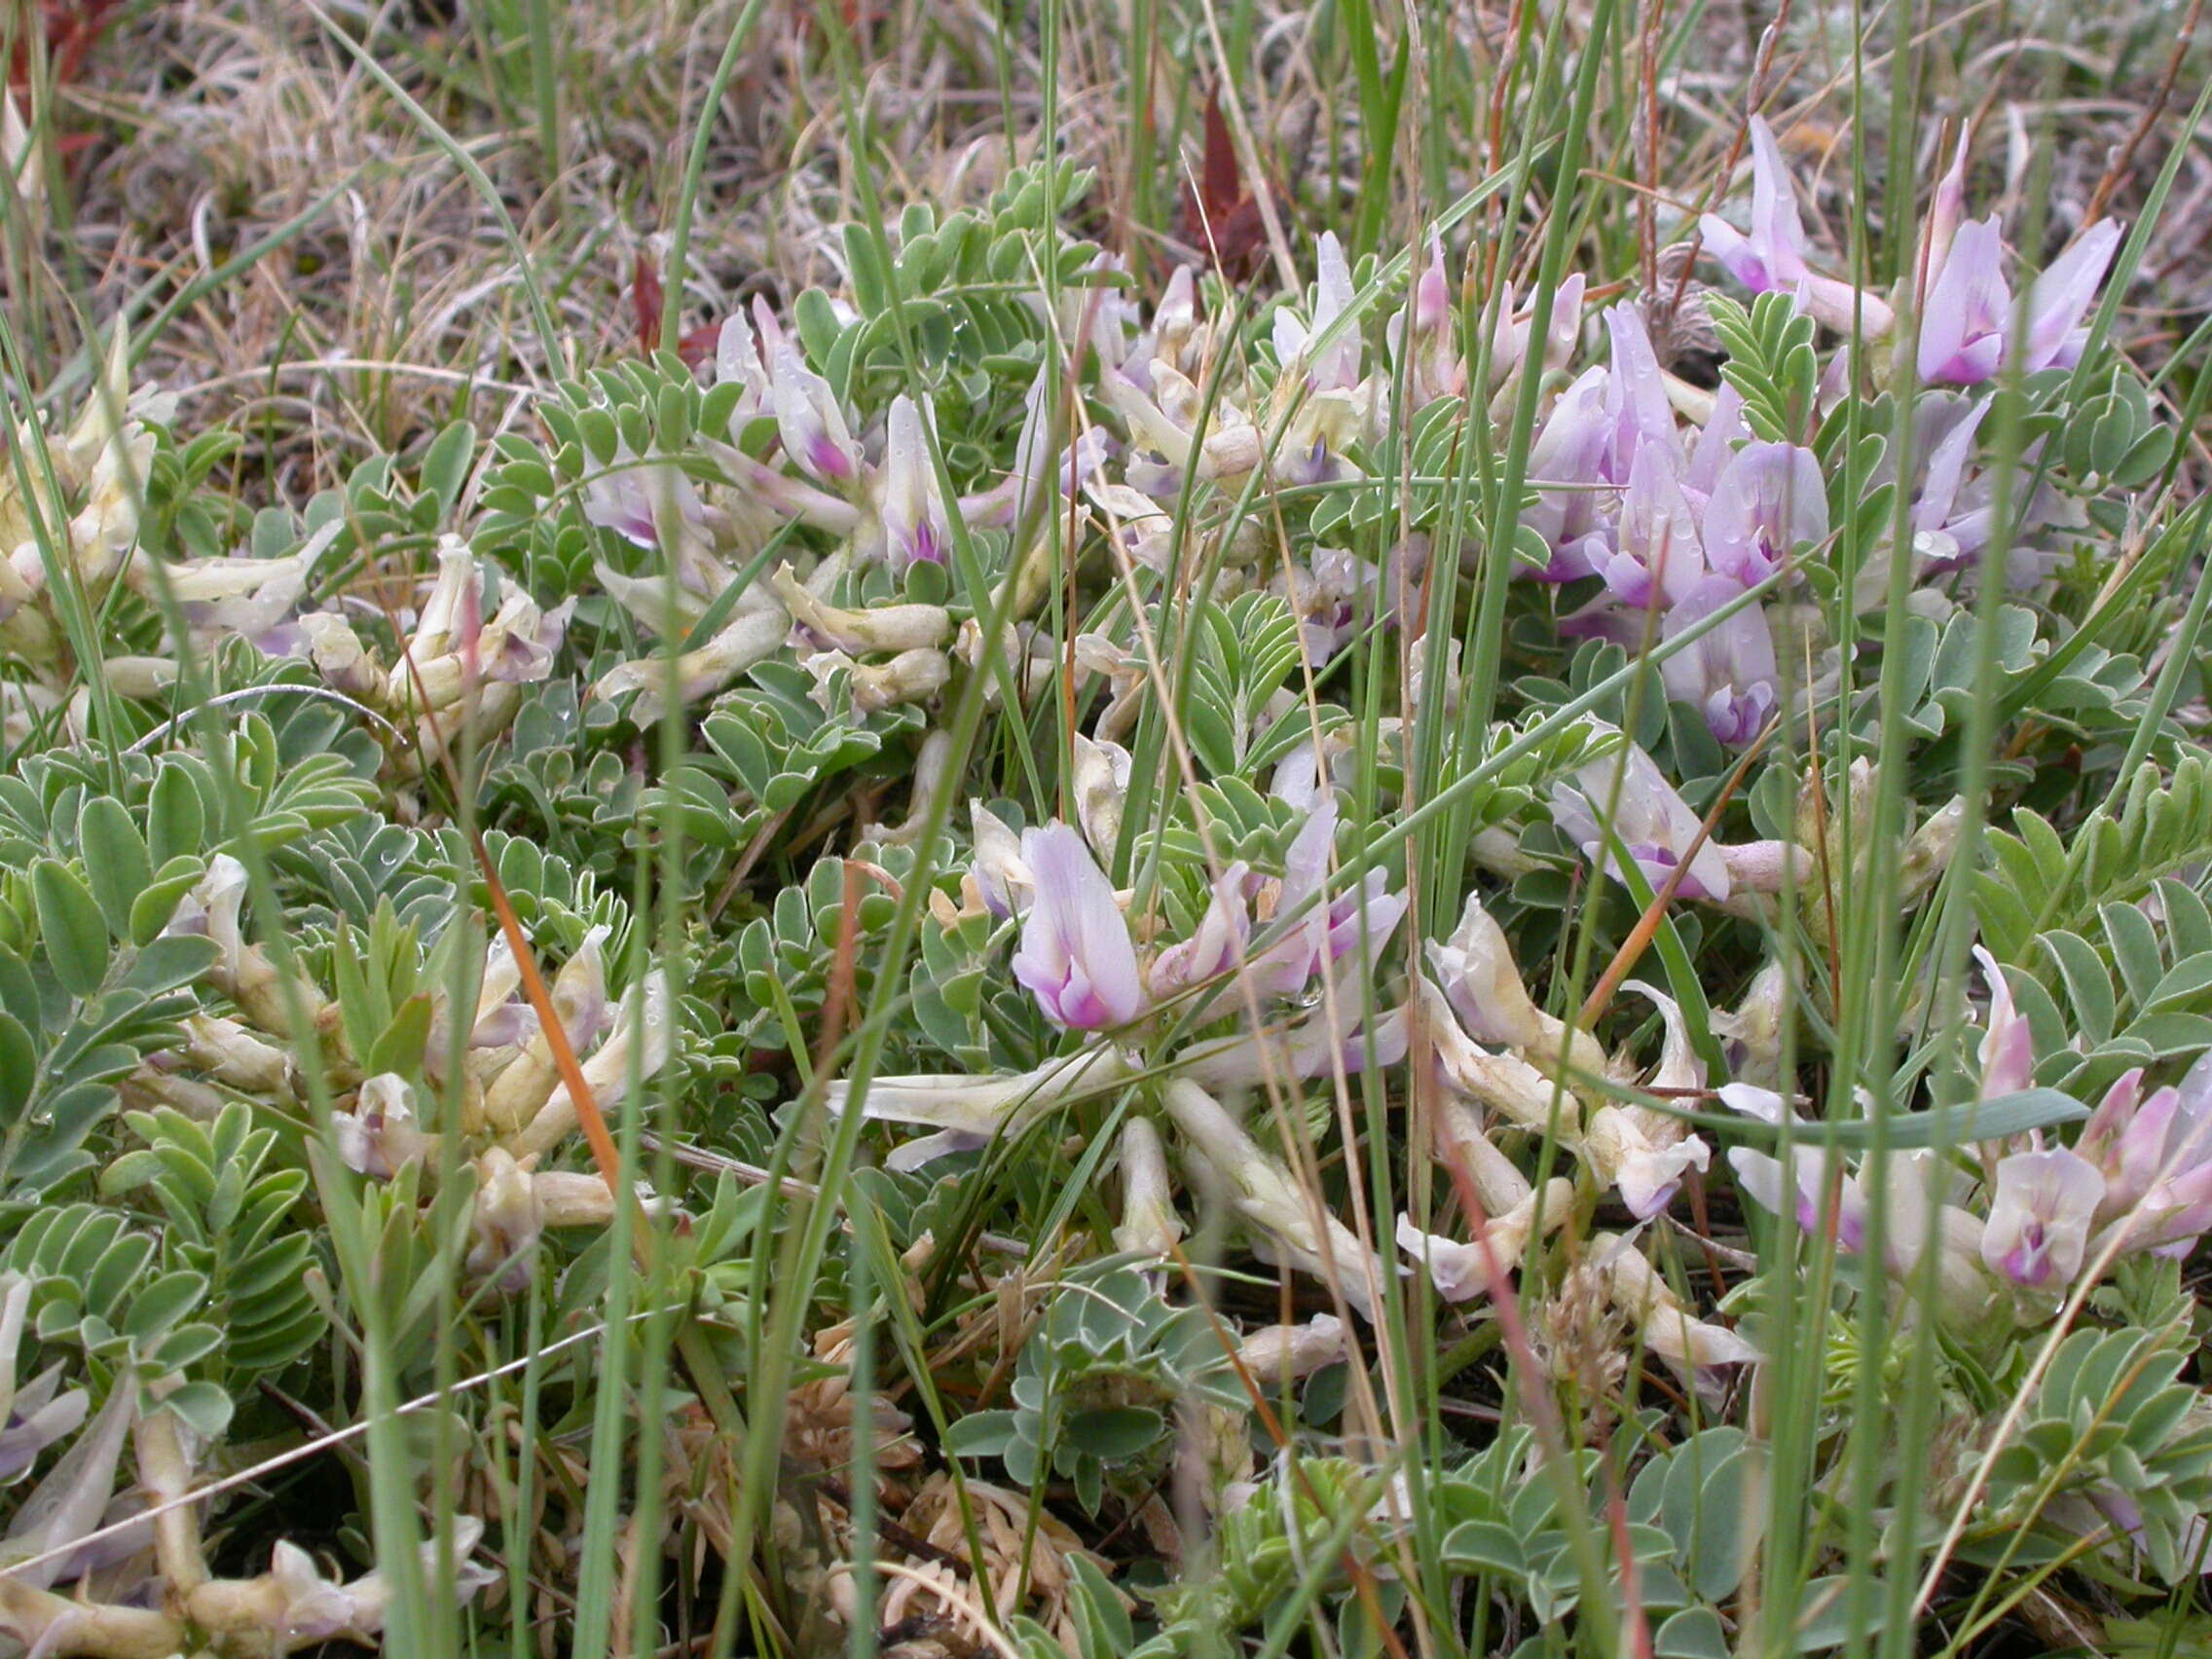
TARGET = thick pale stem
x,y
167,1476
56,1627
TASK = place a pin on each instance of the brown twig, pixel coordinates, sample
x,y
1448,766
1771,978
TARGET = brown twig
x,y
2118,167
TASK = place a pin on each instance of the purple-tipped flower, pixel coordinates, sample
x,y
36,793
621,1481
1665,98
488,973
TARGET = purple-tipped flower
x,y
1566,468
915,527
1946,210
2008,1052
1766,499
999,871
1966,324
1509,339
808,419
69,1503
1363,919
219,596
1332,594
1218,942
637,500
1955,526
1419,337
2062,297
1808,1185
1014,498
2125,1136
518,645
1968,309
2156,1158
1771,255
1728,673
1368,913
737,359
1717,443
1334,366
1821,1194
1651,820
39,1414
1476,972
1613,434
1660,560
1162,415
1076,958
2038,1220
1636,395
39,1417
1643,1155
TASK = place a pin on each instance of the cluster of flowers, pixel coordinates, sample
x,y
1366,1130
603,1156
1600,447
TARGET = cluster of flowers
x,y
514,1108
1287,968
72,515
2013,1228
1676,525
1661,493
1655,496
2034,1219
135,1557
1654,487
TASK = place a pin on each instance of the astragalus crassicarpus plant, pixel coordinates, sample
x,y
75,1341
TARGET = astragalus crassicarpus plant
x,y
1496,945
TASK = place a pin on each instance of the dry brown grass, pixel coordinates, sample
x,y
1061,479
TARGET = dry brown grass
x,y
212,127
200,128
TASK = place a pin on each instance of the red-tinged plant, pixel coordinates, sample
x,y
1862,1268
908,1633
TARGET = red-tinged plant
x,y
646,297
70,30
1222,218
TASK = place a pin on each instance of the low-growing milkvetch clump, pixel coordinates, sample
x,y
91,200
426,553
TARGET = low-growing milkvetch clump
x,y
915,853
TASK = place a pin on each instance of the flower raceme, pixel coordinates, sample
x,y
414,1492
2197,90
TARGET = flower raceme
x,y
1629,797
2155,1155
1675,527
1966,315
2140,1179
1076,956
1969,329
1772,255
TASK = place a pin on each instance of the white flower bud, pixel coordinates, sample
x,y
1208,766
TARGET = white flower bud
x,y
1278,1353
1150,1225
877,628
231,1054
19,159
752,637
1928,853
339,655
911,677
643,1038
1289,1228
508,1220
984,1106
1685,1343
1101,786
1754,1031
